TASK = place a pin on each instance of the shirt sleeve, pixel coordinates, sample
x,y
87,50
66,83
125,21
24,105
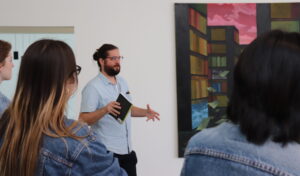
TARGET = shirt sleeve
x,y
89,99
95,160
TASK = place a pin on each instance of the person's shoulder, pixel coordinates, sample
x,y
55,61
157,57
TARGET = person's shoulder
x,y
68,150
121,79
94,83
64,145
80,129
227,141
95,80
215,135
3,98
4,102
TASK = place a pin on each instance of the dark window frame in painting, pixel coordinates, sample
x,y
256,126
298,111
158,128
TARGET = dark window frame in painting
x,y
185,105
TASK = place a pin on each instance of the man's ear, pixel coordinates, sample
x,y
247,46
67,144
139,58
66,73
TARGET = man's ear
x,y
101,61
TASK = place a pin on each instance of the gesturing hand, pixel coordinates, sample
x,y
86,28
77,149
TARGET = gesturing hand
x,y
113,108
151,114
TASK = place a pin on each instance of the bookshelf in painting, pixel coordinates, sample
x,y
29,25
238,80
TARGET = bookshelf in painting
x,y
199,71
192,69
223,51
283,16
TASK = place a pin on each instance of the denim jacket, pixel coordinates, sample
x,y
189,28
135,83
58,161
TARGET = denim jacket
x,y
223,150
67,156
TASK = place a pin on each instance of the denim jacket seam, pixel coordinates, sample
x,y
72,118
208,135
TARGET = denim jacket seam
x,y
81,146
78,150
59,159
41,171
239,159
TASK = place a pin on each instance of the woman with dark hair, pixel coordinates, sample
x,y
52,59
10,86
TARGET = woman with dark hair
x,y
264,135
35,136
6,66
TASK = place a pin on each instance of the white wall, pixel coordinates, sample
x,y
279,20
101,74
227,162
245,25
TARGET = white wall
x,y
145,33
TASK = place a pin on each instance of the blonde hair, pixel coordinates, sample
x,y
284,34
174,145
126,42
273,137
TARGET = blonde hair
x,y
38,106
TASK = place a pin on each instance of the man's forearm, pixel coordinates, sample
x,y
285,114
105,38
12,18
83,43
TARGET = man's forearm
x,y
92,117
138,112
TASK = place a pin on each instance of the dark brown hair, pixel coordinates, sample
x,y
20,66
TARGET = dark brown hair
x,y
5,48
266,93
101,53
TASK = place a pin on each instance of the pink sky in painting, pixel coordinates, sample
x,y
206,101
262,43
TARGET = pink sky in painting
x,y
242,16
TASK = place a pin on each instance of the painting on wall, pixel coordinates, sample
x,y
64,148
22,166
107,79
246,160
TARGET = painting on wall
x,y
209,39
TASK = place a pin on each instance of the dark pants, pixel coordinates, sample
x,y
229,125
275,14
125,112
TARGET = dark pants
x,y
128,162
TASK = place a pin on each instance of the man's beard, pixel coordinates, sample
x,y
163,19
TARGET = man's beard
x,y
112,71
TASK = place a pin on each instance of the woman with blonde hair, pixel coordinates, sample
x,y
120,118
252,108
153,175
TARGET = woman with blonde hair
x,y
6,66
35,136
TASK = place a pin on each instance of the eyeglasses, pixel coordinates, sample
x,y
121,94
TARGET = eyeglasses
x,y
114,58
74,74
78,69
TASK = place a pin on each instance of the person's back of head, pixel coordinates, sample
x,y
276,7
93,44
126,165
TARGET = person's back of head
x,y
6,63
264,106
265,101
5,48
47,78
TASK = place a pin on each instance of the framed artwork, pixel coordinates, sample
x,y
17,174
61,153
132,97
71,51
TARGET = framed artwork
x,y
209,39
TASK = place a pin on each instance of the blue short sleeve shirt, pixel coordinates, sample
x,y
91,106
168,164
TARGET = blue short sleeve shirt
x,y
97,94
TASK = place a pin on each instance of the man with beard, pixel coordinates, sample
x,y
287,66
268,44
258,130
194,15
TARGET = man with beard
x,y
99,99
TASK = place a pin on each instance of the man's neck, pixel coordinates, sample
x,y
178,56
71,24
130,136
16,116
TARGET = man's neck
x,y
111,79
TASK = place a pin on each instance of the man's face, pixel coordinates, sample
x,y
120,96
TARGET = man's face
x,y
111,64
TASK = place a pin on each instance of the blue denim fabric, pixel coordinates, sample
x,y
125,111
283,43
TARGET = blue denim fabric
x,y
67,156
223,150
4,102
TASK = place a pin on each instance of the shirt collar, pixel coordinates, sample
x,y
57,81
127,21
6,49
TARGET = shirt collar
x,y
106,80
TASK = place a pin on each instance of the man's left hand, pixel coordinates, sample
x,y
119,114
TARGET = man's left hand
x,y
151,114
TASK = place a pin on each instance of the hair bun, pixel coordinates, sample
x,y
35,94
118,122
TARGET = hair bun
x,y
96,55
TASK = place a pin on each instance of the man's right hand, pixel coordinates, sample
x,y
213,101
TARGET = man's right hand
x,y
113,108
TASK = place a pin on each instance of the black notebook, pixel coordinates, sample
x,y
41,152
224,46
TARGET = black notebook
x,y
125,107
